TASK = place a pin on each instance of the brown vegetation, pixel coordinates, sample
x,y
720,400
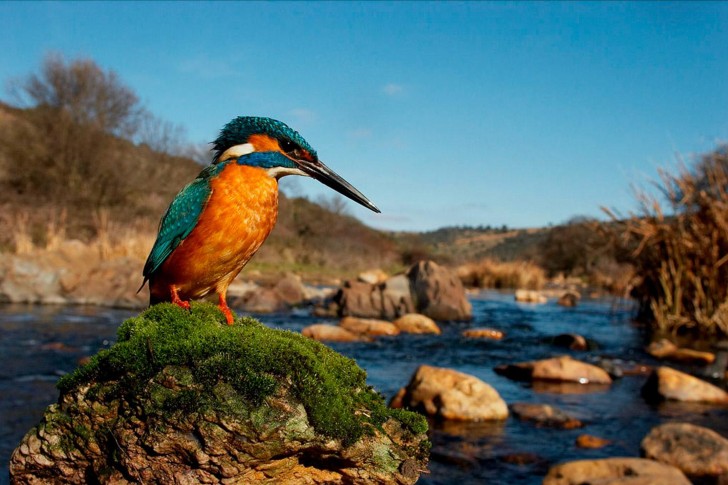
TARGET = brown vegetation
x,y
681,251
489,273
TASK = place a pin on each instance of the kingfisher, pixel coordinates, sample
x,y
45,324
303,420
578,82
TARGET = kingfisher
x,y
218,221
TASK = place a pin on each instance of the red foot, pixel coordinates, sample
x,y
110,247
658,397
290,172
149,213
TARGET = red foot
x,y
226,310
176,300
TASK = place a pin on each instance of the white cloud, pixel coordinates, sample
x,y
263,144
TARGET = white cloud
x,y
392,89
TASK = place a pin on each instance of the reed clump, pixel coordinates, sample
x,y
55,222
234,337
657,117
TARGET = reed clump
x,y
489,273
680,248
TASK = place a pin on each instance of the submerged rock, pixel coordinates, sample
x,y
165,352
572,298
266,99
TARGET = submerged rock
x,y
697,451
614,471
484,333
544,415
449,394
591,442
184,398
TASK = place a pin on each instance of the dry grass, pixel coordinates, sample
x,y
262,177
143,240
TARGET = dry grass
x,y
681,251
489,273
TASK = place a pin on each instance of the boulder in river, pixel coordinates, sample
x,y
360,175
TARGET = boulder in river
x,y
530,296
184,398
615,471
449,394
562,368
664,349
483,333
417,323
368,326
699,452
438,292
667,383
324,332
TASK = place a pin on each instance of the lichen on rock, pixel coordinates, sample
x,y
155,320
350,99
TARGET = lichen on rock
x,y
183,398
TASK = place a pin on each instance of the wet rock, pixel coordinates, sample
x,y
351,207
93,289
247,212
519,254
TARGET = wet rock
x,y
438,292
666,383
368,326
372,276
697,451
562,368
330,333
664,349
222,405
484,333
290,289
591,442
417,323
571,341
569,299
615,471
544,415
449,394
530,296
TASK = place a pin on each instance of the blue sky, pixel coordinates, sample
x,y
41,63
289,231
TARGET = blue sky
x,y
447,113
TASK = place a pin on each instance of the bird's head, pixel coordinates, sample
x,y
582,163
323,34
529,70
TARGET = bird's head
x,y
277,148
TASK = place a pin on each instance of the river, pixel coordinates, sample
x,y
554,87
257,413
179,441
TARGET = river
x,y
40,343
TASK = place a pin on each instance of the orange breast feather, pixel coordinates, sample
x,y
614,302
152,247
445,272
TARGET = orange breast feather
x,y
240,214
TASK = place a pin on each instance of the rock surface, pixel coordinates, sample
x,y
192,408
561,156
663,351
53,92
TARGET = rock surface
x,y
330,333
562,368
449,394
426,288
667,383
697,451
184,398
438,292
530,296
544,415
368,326
591,442
417,323
569,299
572,341
615,471
484,333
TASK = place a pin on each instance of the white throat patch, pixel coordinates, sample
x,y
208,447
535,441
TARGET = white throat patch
x,y
237,151
278,172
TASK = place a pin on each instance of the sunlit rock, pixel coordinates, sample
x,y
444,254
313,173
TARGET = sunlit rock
x,y
667,383
483,333
562,368
417,323
615,471
530,296
368,326
699,452
330,333
449,394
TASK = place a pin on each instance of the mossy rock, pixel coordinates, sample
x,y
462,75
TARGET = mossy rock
x,y
183,394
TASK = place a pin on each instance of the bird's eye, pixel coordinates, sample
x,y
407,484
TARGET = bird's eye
x,y
291,149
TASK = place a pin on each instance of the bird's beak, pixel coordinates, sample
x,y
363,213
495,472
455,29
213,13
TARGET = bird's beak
x,y
316,169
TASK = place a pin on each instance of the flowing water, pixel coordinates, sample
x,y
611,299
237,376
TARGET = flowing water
x,y
40,343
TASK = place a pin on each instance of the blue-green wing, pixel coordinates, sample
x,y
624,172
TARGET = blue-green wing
x,y
178,222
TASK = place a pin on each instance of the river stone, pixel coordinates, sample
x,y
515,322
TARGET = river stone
x,y
615,471
562,368
330,333
483,333
417,323
452,395
667,383
544,415
591,442
530,296
438,292
184,398
368,326
697,451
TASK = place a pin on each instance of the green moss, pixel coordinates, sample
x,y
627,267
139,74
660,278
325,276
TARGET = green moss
x,y
234,368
